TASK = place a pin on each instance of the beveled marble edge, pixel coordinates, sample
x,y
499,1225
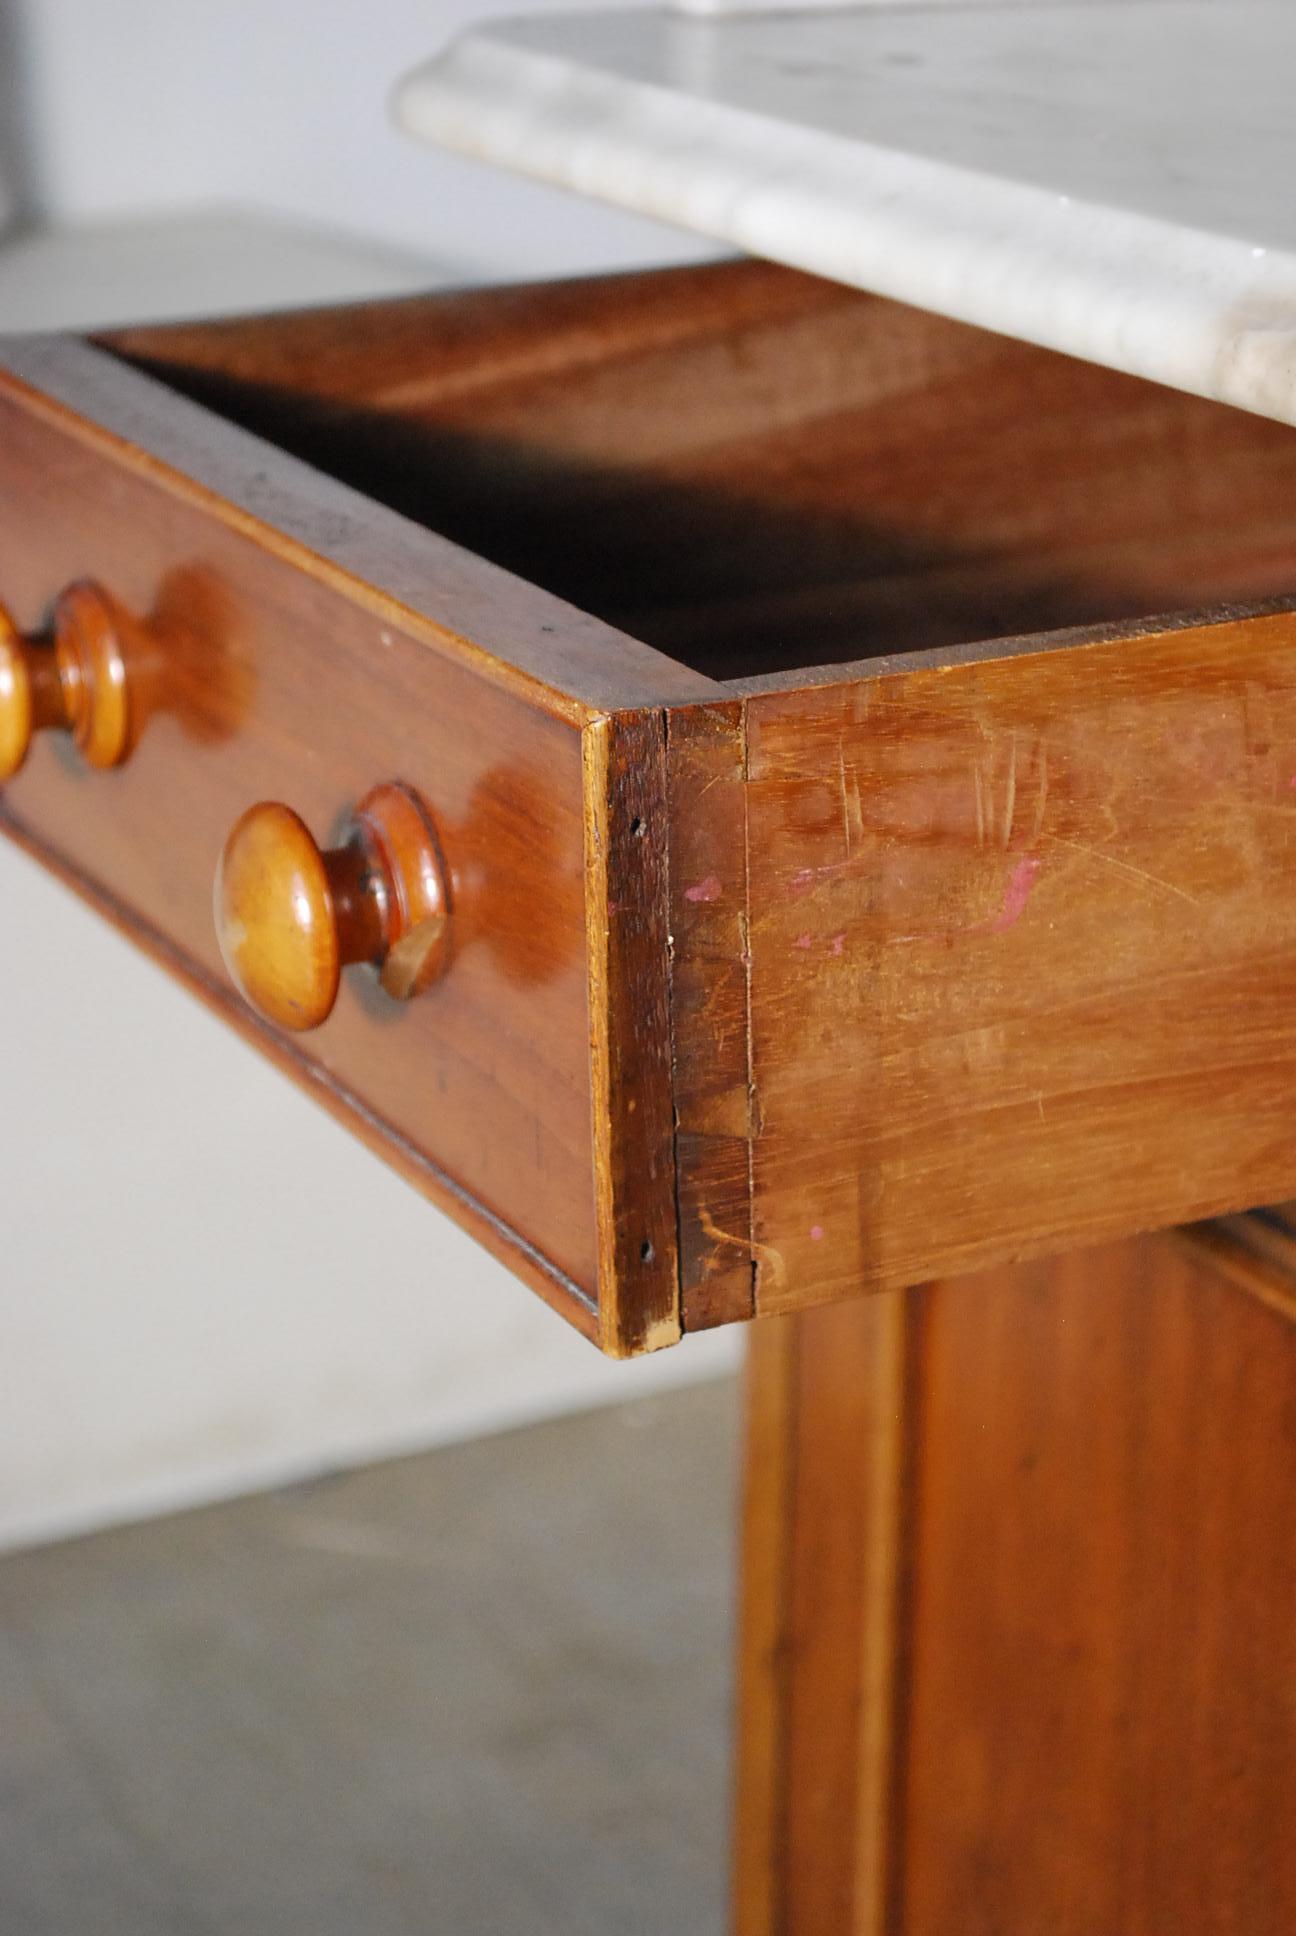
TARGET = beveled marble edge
x,y
1200,311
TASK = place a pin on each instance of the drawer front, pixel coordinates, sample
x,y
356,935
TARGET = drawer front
x,y
277,680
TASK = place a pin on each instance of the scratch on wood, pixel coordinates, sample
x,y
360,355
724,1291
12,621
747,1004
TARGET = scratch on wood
x,y
1124,867
1010,796
761,1253
1041,796
852,812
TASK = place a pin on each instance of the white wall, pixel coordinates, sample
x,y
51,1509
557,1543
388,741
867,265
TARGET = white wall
x,y
148,105
205,1285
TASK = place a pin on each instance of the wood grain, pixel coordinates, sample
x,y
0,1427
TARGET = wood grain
x,y
552,350
709,1006
752,469
830,1440
285,681
772,1426
1019,928
845,1591
1106,1530
79,679
855,477
290,917
1087,1720
456,603
929,958
349,1108
632,1124
759,472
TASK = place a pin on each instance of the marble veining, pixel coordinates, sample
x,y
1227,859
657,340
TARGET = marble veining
x,y
1113,179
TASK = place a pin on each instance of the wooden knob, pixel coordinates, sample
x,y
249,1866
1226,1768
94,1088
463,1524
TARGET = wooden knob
x,y
73,682
290,918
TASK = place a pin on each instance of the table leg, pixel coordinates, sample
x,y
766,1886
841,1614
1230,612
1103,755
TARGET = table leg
x,y
1018,1643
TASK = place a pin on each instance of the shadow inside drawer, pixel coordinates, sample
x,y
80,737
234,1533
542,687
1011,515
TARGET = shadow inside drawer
x,y
744,510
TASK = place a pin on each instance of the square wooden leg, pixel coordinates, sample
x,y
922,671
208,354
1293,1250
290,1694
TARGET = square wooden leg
x,y
1019,1632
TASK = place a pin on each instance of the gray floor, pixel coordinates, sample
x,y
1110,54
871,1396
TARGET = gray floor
x,y
482,1690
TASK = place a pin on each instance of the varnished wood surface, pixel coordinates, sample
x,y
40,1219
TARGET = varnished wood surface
x,y
760,472
279,682
289,917
894,1035
769,1498
961,1041
1107,1559
768,991
626,845
1019,941
1055,1506
709,1002
455,602
825,1583
83,678
277,926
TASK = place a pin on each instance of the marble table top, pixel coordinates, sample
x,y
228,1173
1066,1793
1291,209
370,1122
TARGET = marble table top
x,y
1115,179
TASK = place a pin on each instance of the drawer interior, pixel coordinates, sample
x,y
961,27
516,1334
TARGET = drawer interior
x,y
754,471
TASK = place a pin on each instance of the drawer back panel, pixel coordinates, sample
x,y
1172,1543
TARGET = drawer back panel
x,y
754,470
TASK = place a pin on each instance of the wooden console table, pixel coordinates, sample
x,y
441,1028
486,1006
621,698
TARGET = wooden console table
x,y
750,792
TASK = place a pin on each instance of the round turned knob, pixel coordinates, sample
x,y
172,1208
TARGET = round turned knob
x,y
290,918
74,682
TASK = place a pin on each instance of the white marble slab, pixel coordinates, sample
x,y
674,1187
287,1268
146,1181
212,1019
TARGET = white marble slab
x,y
1114,179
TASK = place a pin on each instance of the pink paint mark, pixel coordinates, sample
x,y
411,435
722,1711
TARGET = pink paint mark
x,y
804,876
837,943
816,1233
707,890
1016,894
802,941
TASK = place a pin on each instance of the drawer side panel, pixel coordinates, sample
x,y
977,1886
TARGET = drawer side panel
x,y
1023,946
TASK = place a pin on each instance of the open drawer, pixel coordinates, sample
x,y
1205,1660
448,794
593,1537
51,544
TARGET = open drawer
x,y
849,880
